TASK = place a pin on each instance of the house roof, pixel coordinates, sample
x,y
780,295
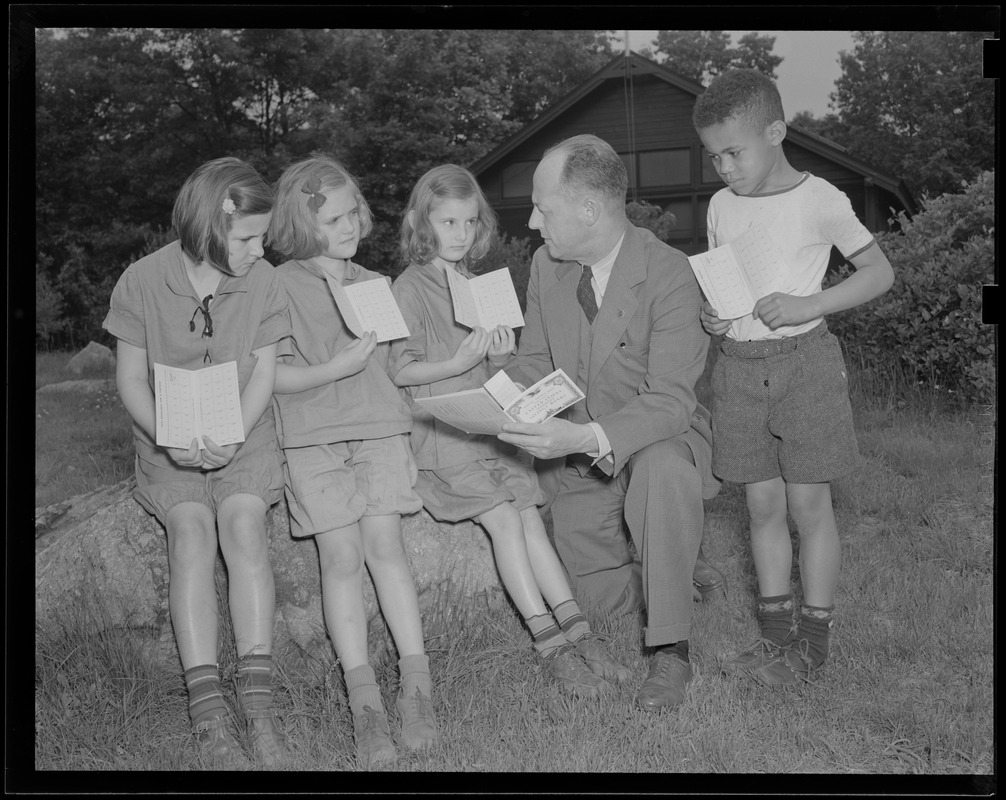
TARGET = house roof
x,y
639,65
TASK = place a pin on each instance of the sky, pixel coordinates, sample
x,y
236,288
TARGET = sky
x,y
809,69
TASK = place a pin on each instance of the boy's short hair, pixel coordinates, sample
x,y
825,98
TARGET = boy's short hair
x,y
210,200
742,94
293,231
591,165
418,241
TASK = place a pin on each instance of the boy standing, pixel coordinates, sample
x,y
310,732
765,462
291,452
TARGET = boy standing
x,y
782,421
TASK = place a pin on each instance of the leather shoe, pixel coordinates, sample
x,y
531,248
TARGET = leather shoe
x,y
708,582
665,683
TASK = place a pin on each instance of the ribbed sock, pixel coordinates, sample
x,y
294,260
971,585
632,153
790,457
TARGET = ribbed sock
x,y
361,685
206,696
679,649
254,682
572,621
815,625
775,618
414,673
546,633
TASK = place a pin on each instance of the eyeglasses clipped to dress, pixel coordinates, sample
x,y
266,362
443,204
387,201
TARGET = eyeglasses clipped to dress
x,y
207,333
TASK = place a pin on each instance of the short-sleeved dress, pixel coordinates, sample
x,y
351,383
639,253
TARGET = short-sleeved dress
x,y
460,475
151,308
347,454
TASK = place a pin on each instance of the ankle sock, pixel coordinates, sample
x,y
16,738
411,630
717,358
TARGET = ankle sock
x,y
414,673
814,627
206,696
679,649
546,633
253,681
775,618
572,621
361,685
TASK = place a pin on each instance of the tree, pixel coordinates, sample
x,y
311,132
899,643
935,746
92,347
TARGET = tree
x,y
915,104
702,55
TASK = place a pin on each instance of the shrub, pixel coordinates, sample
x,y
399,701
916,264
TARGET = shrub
x,y
929,323
647,215
514,254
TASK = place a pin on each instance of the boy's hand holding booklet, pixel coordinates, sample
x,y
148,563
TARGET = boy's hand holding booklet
x,y
735,276
500,401
191,404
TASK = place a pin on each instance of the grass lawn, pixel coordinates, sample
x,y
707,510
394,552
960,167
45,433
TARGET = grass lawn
x,y
908,690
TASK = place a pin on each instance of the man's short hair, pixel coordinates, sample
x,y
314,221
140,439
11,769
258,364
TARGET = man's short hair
x,y
743,94
591,165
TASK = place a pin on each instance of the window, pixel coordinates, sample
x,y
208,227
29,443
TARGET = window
x,y
709,173
665,168
517,179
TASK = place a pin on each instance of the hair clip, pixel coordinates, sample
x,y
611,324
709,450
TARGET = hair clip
x,y
312,186
228,206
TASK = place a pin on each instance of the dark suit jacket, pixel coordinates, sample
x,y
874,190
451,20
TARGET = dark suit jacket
x,y
648,349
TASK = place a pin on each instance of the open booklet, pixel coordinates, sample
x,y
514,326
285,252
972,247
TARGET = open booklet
x,y
191,404
369,306
737,275
500,401
485,300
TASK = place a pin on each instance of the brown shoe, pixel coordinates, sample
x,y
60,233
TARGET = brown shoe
x,y
708,582
419,723
665,683
374,747
218,746
268,742
570,670
594,652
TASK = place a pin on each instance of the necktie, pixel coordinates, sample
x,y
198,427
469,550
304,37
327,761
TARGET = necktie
x,y
585,294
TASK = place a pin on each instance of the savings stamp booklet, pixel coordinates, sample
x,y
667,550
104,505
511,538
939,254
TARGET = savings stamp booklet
x,y
500,400
190,404
369,306
738,274
485,300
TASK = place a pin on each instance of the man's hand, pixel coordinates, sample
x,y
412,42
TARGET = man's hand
x,y
712,324
779,309
551,438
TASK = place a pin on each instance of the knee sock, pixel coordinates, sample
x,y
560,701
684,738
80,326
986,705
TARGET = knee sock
x,y
815,623
548,636
679,649
254,682
414,673
361,684
206,696
572,621
775,618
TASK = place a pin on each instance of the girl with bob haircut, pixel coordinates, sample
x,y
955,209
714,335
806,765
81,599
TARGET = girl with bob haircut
x,y
210,298
449,225
343,426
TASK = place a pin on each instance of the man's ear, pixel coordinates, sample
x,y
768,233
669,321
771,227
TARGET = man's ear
x,y
591,210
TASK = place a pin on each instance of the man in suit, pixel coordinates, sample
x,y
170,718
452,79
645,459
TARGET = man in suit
x,y
618,311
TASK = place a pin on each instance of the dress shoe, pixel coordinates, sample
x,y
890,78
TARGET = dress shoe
x,y
708,582
665,683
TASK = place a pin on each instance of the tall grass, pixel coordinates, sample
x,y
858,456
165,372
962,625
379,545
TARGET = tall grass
x,y
908,689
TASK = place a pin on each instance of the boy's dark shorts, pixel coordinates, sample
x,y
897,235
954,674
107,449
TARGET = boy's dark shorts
x,y
781,408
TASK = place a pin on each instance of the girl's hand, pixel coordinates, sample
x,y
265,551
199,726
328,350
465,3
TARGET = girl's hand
x,y
216,456
472,349
501,345
779,309
186,458
354,356
712,324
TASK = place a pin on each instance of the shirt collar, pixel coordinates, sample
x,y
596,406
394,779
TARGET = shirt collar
x,y
602,269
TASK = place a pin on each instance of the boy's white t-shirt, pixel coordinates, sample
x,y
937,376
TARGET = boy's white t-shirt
x,y
803,222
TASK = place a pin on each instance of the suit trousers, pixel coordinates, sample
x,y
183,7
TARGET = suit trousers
x,y
658,497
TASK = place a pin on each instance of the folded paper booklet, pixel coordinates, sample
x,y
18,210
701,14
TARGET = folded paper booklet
x,y
500,401
369,306
737,275
485,300
191,404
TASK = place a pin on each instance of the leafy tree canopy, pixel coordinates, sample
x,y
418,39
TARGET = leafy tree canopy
x,y
702,55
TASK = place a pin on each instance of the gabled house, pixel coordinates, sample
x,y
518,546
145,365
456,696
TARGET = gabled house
x,y
644,110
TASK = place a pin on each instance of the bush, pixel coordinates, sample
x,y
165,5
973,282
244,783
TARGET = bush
x,y
514,254
929,323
